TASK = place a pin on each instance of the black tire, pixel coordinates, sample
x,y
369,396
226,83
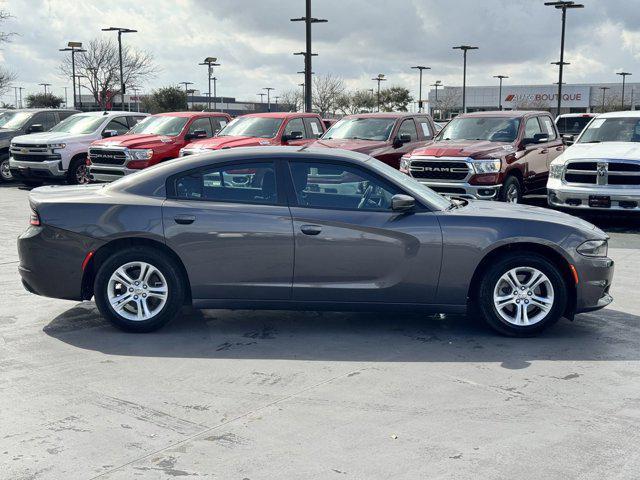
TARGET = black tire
x,y
511,190
488,283
75,172
163,263
5,173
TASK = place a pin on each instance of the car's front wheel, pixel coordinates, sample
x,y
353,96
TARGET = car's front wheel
x,y
5,172
78,173
511,191
521,294
139,289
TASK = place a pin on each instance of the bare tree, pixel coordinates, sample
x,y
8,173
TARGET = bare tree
x,y
449,99
100,65
6,76
293,99
531,104
326,91
5,36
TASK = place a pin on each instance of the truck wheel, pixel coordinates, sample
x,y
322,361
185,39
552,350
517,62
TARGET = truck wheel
x,y
511,190
78,173
139,289
5,173
522,294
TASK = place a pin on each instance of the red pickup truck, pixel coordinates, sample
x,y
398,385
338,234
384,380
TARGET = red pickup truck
x,y
155,139
256,129
385,136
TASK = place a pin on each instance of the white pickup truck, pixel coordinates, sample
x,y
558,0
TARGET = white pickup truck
x,y
61,153
601,170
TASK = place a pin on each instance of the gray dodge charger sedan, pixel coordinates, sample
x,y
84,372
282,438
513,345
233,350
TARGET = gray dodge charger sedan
x,y
298,228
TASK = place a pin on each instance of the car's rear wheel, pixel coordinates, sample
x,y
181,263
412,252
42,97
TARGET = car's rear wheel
x,y
78,173
511,191
5,173
522,294
139,289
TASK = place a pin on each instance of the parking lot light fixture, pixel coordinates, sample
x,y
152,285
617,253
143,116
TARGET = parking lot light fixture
x,y
562,5
120,31
624,76
420,68
45,85
500,77
261,95
210,62
309,20
73,47
465,49
268,89
379,78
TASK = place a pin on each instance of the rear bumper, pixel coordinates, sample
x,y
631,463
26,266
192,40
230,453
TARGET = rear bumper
x,y
36,170
464,190
594,281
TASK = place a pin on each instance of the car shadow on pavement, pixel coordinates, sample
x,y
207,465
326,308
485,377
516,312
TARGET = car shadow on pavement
x,y
358,337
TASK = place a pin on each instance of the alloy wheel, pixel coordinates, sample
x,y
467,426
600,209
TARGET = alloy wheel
x,y
512,194
82,174
523,296
4,170
137,291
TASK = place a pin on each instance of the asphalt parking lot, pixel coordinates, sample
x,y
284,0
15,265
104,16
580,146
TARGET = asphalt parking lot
x,y
257,395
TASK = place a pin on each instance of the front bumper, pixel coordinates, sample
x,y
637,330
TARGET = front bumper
x,y
560,194
464,190
107,173
594,281
36,170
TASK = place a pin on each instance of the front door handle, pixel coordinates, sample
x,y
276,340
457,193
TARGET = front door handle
x,y
185,219
544,151
310,229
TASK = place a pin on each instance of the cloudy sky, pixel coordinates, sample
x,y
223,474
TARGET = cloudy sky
x,y
254,40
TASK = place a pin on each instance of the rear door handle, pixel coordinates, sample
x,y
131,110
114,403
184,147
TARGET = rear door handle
x,y
184,219
310,229
544,151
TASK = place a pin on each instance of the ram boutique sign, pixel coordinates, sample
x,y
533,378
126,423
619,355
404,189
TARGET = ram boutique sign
x,y
541,96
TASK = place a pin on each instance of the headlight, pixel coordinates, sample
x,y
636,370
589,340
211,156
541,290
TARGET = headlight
x,y
405,163
555,170
593,248
487,166
141,154
57,145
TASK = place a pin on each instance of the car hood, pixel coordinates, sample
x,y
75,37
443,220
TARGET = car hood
x,y
464,148
144,140
50,137
361,146
605,150
217,143
7,132
521,212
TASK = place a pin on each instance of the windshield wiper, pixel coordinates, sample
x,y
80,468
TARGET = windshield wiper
x,y
592,141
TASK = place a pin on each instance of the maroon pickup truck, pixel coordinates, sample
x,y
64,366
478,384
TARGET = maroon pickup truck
x,y
385,136
488,155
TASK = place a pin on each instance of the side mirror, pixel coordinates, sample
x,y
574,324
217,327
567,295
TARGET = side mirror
x,y
35,128
537,138
402,203
401,140
196,134
295,135
109,133
568,139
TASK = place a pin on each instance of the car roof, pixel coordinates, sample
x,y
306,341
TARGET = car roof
x,y
576,115
42,110
503,113
281,114
626,113
386,115
191,114
110,113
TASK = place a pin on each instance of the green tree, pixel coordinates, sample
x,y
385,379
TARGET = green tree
x,y
40,100
356,102
166,99
395,99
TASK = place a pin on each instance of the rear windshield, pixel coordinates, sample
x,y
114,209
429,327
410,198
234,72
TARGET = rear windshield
x,y
164,125
79,124
14,119
260,127
612,130
572,125
362,129
492,129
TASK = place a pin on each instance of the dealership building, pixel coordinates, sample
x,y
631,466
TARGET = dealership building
x,y
576,98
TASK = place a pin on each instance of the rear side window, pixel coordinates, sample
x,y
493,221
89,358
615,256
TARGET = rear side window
x,y
547,124
408,127
218,123
425,128
314,128
249,183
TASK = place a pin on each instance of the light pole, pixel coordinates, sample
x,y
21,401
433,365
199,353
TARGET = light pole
x,y
268,89
20,92
66,105
303,95
562,5
120,32
309,20
135,93
186,90
276,99
500,77
210,62
465,49
45,85
73,47
15,93
624,76
437,84
215,93
604,90
379,78
261,97
420,68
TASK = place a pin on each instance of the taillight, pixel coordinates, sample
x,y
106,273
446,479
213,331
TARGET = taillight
x,y
34,219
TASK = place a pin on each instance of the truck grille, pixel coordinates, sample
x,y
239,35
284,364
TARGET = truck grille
x,y
27,157
101,156
603,172
453,170
30,145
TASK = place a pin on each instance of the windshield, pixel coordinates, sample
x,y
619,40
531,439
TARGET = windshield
x,y
261,127
572,125
14,119
170,126
493,129
362,129
79,124
619,129
412,185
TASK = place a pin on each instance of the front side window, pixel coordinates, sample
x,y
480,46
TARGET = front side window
x,y
201,124
493,129
532,128
239,183
79,124
161,125
362,128
619,129
328,185
119,124
294,125
260,127
408,127
46,119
